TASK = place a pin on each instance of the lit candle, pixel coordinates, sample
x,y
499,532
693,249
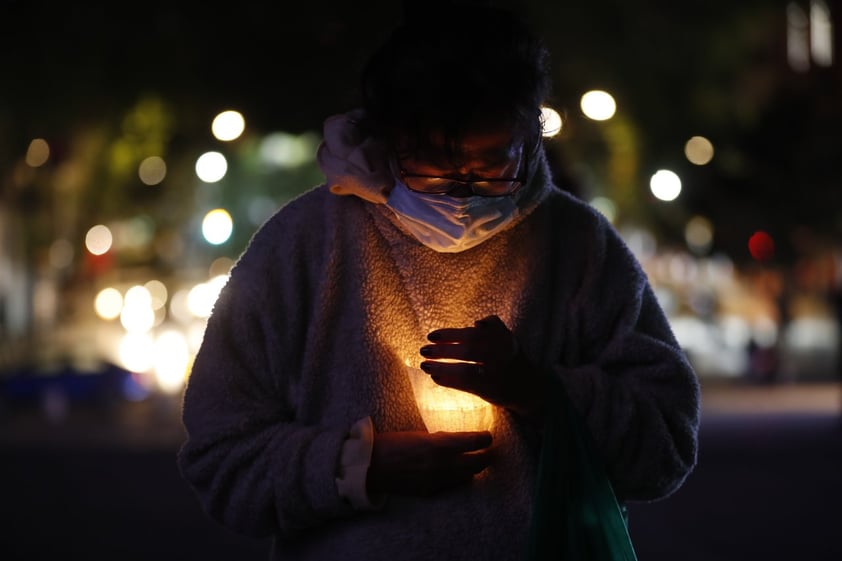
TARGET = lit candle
x,y
447,409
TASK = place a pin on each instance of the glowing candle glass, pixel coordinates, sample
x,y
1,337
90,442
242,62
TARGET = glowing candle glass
x,y
446,409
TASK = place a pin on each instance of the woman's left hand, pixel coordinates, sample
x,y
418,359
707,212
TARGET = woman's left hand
x,y
485,360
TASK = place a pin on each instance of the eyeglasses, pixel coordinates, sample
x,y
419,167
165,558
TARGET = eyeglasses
x,y
484,187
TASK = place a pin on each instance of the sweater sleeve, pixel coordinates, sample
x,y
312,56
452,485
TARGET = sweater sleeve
x,y
353,469
254,467
628,376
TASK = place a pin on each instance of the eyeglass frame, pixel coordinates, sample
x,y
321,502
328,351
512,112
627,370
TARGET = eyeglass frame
x,y
521,180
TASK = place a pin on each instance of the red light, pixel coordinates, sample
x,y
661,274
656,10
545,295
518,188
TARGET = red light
x,y
761,245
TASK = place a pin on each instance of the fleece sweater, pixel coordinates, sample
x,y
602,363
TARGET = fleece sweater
x,y
327,307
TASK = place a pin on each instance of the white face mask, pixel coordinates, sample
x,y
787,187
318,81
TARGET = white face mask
x,y
451,224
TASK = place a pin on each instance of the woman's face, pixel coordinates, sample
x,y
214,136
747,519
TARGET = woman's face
x,y
487,155
481,155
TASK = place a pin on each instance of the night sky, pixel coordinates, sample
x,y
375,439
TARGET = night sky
x,y
292,64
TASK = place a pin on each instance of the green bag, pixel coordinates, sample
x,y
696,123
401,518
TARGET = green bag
x,y
576,516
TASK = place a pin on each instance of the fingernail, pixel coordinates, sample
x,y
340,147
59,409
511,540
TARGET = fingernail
x,y
434,336
425,351
426,367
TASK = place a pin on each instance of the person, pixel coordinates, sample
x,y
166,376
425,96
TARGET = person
x,y
439,251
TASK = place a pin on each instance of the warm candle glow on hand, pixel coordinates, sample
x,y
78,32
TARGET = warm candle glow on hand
x,y
447,409
485,360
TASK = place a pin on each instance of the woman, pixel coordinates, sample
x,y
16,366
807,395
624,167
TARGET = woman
x,y
438,253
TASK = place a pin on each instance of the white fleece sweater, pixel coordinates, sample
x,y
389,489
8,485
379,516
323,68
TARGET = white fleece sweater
x,y
313,330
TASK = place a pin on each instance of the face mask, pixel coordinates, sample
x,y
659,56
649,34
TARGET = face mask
x,y
450,224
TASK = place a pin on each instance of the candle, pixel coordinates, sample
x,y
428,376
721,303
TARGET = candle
x,y
447,409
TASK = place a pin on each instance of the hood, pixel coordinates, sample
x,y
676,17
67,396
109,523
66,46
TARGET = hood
x,y
353,162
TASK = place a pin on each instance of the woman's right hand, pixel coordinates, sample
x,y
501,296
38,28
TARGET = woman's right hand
x,y
422,464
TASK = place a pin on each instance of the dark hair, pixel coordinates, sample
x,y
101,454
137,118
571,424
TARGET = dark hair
x,y
455,67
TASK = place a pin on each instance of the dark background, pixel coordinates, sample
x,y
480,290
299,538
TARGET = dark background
x,y
716,68
102,482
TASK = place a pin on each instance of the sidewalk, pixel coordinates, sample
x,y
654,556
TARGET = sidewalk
x,y
733,398
766,486
155,424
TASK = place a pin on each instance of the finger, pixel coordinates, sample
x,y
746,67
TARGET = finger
x,y
453,335
439,369
463,376
455,351
468,441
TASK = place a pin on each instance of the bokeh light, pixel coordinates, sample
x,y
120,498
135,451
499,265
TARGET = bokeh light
x,y
179,307
137,352
606,207
821,33
152,170
137,315
228,125
698,233
157,293
220,266
202,297
196,334
551,122
211,167
171,361
761,246
108,303
284,150
598,105
765,331
98,240
665,185
217,226
699,150
38,153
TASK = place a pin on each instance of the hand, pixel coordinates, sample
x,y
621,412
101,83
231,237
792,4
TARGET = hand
x,y
491,366
421,464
